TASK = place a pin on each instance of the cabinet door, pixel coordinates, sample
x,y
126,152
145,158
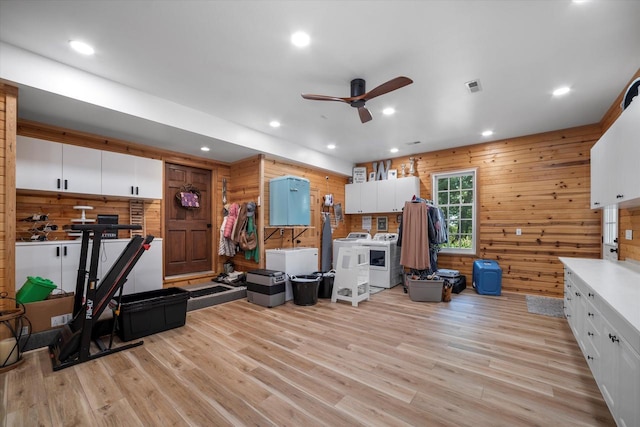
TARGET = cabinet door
x,y
148,181
628,146
352,199
628,379
118,174
81,169
69,265
38,260
386,195
405,189
148,270
601,175
110,251
38,164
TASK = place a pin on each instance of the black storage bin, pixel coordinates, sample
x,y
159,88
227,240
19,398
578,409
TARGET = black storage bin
x,y
458,284
325,287
305,289
148,313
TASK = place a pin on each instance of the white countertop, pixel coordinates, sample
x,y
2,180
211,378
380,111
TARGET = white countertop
x,y
618,283
68,242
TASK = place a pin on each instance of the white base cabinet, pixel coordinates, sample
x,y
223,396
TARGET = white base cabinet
x,y
607,340
380,196
59,262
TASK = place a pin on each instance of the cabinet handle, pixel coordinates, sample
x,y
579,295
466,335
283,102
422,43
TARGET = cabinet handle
x,y
613,338
57,251
58,184
613,250
596,203
66,184
591,295
619,196
578,294
568,315
136,191
590,333
568,298
64,251
132,190
590,314
590,358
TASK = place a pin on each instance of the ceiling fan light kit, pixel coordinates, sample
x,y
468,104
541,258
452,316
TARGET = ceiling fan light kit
x,y
359,95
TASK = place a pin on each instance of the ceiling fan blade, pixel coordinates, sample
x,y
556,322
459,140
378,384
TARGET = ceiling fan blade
x,y
324,98
365,115
387,87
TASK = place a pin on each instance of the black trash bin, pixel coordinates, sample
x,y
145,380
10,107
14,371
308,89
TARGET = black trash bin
x,y
326,284
305,289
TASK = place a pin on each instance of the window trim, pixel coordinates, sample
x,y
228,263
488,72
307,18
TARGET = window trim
x,y
474,209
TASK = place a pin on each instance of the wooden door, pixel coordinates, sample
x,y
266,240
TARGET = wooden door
x,y
188,231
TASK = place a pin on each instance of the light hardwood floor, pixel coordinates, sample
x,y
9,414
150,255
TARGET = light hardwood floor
x,y
476,361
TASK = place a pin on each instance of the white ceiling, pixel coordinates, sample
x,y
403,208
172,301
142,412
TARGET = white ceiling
x,y
182,74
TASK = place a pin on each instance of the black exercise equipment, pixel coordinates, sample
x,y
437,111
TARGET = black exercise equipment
x,y
72,344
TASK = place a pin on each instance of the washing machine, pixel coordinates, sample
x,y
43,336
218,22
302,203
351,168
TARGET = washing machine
x,y
344,242
385,270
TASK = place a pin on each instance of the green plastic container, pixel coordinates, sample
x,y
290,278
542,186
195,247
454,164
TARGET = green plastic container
x,y
35,289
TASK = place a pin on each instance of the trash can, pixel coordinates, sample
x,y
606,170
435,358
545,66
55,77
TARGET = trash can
x,y
305,289
326,284
35,289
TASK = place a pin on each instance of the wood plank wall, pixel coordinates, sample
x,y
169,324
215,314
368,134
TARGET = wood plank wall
x,y
8,119
538,183
629,219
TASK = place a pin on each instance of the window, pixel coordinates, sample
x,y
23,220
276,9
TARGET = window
x,y
455,193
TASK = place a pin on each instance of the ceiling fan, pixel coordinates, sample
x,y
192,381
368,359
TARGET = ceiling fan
x,y
359,95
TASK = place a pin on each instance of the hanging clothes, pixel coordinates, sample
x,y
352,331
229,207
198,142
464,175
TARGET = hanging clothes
x,y
225,247
327,243
255,252
415,237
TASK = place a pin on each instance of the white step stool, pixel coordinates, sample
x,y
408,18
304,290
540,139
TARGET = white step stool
x,y
351,282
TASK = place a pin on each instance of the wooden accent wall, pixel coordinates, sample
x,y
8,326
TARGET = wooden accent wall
x,y
629,219
538,183
8,119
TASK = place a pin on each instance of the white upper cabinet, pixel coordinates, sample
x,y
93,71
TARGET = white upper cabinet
x,y
51,166
380,196
131,176
614,162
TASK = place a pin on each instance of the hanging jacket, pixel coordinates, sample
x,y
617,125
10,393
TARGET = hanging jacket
x,y
231,220
253,253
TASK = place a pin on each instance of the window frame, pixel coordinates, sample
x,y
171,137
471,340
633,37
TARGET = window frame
x,y
474,208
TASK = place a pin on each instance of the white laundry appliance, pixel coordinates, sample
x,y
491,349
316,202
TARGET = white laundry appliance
x,y
385,270
345,242
294,262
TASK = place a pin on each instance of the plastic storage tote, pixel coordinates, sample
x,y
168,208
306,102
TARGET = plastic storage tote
x,y
148,313
289,202
35,289
424,290
487,277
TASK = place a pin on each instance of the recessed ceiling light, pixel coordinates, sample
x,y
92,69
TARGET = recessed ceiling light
x,y
274,124
331,146
561,91
388,111
81,47
394,150
300,39
487,133
204,148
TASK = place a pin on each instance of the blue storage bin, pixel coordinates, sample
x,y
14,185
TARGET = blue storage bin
x,y
289,202
487,277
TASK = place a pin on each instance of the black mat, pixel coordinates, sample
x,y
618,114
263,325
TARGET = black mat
x,y
207,291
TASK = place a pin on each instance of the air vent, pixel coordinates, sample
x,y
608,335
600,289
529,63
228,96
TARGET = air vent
x,y
473,86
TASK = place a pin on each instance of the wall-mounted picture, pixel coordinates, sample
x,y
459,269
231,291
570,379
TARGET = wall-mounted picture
x,y
359,175
372,176
382,223
392,174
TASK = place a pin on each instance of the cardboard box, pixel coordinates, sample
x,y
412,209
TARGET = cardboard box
x,y
54,312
